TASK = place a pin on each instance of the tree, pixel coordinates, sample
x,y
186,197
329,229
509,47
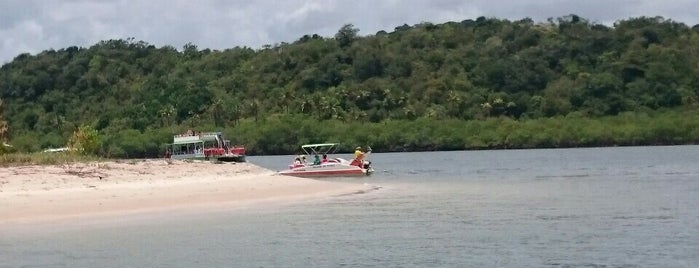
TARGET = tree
x,y
3,124
288,97
3,130
216,110
167,115
190,51
346,35
85,140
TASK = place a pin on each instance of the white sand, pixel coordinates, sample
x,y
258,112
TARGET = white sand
x,y
49,193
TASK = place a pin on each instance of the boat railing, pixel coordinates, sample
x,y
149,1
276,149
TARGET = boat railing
x,y
200,134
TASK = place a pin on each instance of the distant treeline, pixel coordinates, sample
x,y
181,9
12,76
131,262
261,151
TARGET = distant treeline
x,y
484,83
283,135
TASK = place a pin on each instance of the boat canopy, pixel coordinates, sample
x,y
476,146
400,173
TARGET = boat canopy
x,y
194,141
320,148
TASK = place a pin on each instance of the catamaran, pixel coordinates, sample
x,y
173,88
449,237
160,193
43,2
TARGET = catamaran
x,y
328,167
205,145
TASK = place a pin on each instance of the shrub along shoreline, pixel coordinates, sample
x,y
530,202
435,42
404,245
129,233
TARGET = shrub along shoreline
x,y
627,129
285,134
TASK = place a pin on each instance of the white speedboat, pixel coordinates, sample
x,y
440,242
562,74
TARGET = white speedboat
x,y
328,167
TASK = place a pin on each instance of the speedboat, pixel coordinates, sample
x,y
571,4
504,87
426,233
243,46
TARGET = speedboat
x,y
328,167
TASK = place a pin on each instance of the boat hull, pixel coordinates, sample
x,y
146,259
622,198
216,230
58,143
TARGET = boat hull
x,y
326,170
231,158
222,158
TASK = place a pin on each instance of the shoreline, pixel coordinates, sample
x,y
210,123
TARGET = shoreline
x,y
109,190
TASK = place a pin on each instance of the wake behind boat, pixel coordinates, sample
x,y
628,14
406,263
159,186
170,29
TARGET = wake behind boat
x,y
328,167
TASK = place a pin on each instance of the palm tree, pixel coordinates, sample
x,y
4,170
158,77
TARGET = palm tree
x,y
194,119
217,112
306,106
254,108
166,115
454,103
287,98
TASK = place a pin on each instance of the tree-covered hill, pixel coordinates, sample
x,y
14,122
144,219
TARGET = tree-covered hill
x,y
426,86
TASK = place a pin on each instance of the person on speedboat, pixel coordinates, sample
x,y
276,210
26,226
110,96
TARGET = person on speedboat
x,y
358,152
297,163
316,160
358,156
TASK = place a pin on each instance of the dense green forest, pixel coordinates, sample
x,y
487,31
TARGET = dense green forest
x,y
474,84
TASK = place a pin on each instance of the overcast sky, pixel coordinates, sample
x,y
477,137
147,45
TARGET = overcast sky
x,y
36,25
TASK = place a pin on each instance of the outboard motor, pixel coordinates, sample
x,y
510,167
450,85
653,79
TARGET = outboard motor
x,y
366,164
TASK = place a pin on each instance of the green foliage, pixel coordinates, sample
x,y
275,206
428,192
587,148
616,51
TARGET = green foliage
x,y
283,135
85,140
4,149
497,83
346,35
3,125
15,158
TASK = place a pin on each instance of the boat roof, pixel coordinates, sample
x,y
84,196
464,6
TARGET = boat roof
x,y
187,142
197,138
320,148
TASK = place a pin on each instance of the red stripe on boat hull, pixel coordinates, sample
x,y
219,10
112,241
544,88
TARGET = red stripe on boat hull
x,y
320,173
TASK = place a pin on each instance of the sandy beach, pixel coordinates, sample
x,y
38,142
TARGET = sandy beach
x,y
59,192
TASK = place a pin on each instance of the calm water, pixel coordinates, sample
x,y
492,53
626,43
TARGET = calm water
x,y
598,207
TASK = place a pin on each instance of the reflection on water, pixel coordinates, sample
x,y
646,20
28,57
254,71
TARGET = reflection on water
x,y
598,207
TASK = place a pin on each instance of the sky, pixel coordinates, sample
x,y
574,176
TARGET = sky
x,y
32,26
